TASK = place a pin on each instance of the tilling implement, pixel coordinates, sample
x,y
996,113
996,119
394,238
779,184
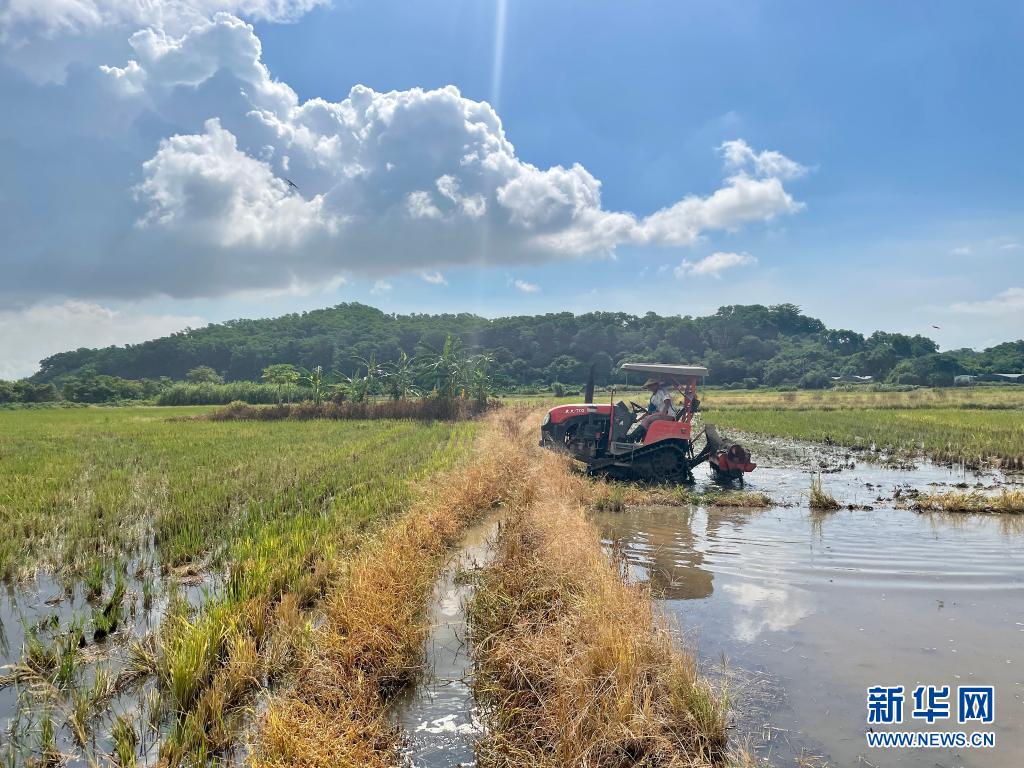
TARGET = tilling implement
x,y
617,440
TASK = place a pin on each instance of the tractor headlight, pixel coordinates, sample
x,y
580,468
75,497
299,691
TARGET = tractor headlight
x,y
546,420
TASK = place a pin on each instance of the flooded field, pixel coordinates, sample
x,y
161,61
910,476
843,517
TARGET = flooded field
x,y
809,609
75,667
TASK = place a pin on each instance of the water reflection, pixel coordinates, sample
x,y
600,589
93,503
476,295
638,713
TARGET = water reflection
x,y
766,608
660,548
666,546
816,607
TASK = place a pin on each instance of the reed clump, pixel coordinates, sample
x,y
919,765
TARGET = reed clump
x,y
821,499
371,642
573,666
1009,501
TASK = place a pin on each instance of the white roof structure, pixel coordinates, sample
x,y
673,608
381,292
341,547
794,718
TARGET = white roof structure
x,y
849,378
671,371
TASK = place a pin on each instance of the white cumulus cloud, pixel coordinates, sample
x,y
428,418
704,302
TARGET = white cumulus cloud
x,y
740,157
434,278
209,177
715,264
202,184
28,335
525,287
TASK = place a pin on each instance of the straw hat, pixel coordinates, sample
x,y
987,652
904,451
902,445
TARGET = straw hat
x,y
651,383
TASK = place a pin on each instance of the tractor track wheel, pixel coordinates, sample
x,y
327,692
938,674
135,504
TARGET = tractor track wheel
x,y
667,465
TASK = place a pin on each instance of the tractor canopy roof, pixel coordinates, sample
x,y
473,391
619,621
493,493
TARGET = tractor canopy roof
x,y
668,371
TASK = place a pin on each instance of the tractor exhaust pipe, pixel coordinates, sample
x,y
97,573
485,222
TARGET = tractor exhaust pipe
x,y
588,393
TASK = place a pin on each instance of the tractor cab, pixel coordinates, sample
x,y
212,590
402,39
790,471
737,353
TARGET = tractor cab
x,y
609,439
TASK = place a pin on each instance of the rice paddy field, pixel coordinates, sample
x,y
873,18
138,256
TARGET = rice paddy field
x,y
968,436
976,398
156,568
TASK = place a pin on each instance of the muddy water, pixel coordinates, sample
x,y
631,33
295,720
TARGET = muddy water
x,y
439,716
810,609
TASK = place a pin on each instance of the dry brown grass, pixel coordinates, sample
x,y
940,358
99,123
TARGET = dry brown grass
x,y
1007,501
371,642
421,409
573,666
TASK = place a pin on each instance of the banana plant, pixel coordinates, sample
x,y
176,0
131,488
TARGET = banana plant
x,y
478,377
446,369
375,372
400,377
317,382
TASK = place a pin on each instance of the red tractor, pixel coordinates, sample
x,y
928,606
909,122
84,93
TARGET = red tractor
x,y
607,438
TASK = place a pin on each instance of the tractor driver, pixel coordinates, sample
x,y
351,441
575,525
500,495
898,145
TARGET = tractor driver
x,y
659,409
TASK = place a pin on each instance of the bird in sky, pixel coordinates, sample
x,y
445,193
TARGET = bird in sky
x,y
292,184
936,328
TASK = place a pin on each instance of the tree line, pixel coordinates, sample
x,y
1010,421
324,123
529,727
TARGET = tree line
x,y
742,345
453,375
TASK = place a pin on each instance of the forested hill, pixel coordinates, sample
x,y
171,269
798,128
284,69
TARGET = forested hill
x,y
755,344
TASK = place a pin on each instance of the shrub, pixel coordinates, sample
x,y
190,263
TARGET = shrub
x,y
815,380
203,374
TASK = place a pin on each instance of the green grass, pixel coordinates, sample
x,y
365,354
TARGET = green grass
x,y
272,509
723,498
968,436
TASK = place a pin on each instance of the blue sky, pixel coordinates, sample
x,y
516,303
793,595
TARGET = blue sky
x,y
904,122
